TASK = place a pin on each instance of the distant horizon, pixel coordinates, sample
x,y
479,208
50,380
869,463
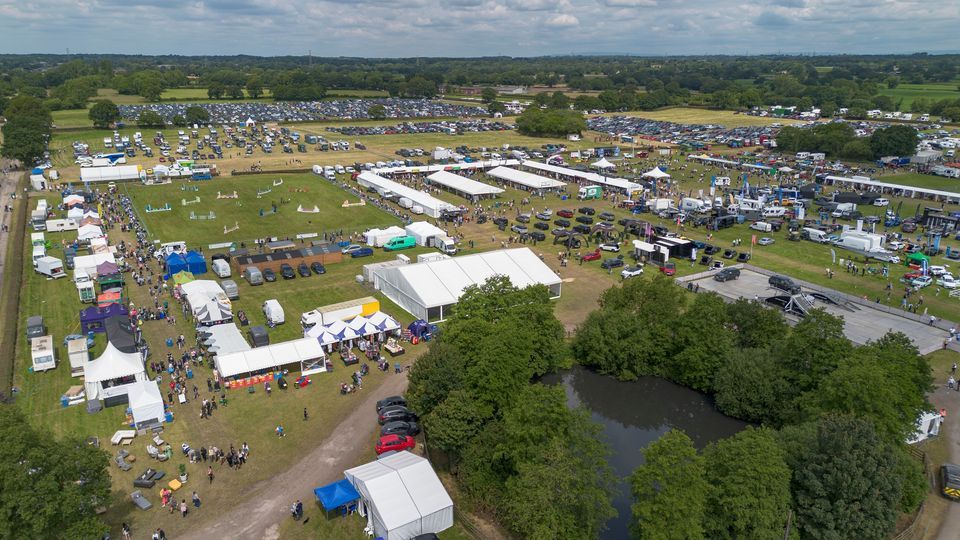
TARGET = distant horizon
x,y
464,28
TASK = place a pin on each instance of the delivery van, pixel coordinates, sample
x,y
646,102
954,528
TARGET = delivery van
x,y
220,267
273,311
230,288
253,275
400,242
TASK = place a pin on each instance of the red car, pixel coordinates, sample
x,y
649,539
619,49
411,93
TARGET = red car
x,y
395,443
593,256
565,213
668,268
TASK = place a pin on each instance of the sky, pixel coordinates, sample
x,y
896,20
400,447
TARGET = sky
x,y
403,28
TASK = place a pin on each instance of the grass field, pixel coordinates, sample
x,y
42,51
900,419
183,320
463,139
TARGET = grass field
x,y
928,181
71,118
906,93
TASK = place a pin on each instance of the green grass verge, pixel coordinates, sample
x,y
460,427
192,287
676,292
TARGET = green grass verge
x,y
907,93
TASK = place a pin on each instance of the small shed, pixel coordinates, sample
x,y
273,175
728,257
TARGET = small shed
x,y
78,354
42,353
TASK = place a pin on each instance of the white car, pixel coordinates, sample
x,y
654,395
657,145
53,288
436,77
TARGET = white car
x,y
610,246
765,241
938,270
881,202
947,282
895,245
350,249
631,271
922,281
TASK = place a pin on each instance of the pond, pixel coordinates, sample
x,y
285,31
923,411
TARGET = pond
x,y
634,414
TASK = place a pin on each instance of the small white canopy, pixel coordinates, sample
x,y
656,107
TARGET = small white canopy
x,y
112,364
363,326
341,331
603,164
383,321
786,169
75,213
656,174
146,403
303,350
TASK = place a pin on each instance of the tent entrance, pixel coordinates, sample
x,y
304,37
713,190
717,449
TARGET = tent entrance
x,y
313,365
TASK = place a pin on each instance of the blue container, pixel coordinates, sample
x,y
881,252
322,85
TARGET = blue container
x,y
168,417
64,401
169,342
189,373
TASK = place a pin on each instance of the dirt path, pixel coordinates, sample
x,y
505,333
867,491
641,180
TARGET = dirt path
x,y
8,185
945,398
259,515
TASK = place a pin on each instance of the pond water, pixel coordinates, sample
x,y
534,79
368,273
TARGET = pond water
x,y
634,414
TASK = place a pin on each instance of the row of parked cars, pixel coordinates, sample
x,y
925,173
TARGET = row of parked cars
x,y
255,276
398,425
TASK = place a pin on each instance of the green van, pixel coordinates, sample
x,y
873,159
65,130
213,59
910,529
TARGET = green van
x,y
400,242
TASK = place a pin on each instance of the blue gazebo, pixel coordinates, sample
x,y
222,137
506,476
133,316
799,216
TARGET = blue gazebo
x,y
175,263
196,264
336,495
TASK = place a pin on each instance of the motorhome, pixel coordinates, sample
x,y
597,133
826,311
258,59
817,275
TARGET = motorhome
x,y
51,267
688,204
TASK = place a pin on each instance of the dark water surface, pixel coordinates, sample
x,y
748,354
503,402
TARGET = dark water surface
x,y
634,414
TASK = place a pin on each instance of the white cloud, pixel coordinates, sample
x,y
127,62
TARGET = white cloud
x,y
629,3
562,19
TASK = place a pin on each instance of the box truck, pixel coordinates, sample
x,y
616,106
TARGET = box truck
x,y
590,192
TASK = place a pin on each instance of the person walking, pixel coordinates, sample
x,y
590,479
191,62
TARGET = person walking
x,y
305,416
183,508
125,530
210,474
196,500
279,430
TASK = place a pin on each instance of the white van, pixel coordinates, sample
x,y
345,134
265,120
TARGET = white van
x,y
814,235
220,267
774,211
273,312
761,226
880,201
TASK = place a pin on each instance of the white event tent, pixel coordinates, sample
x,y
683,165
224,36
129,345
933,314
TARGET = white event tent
x,y
431,205
112,373
656,174
401,497
146,403
525,179
462,185
304,354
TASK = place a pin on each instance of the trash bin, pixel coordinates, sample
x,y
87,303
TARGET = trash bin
x,y
169,342
168,416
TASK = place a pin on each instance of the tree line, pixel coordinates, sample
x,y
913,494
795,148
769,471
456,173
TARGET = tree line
x,y
839,140
833,416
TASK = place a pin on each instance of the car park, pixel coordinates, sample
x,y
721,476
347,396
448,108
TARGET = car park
x,y
318,268
269,275
765,241
286,271
395,443
631,271
727,274
610,246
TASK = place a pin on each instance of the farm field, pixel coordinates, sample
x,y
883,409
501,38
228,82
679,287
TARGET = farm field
x,y
906,93
689,115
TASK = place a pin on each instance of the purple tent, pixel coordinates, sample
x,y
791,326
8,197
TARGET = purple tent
x,y
107,268
92,318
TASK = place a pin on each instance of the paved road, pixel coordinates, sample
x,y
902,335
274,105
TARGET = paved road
x,y
260,515
947,399
8,184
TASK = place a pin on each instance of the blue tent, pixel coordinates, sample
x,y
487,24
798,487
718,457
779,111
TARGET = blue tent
x,y
337,494
196,264
175,263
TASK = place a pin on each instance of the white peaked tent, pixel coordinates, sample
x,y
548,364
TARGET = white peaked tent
x,y
75,213
89,232
402,497
112,373
146,403
383,321
363,326
656,174
379,237
603,164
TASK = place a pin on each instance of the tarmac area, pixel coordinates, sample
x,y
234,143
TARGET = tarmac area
x,y
862,322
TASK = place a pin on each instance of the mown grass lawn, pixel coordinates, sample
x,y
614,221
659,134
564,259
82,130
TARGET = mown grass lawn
x,y
689,115
906,93
928,181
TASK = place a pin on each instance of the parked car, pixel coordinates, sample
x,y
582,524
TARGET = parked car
x,y
950,481
727,274
394,443
546,215
586,220
908,227
303,270
518,228
581,228
784,284
592,256
565,213
391,401
711,249
286,271
765,241
409,429
607,216
587,211
743,257
318,268
880,201
610,246
947,282
729,253
613,262
938,270
350,249
542,225
922,281
362,252
523,218
538,236
631,271
895,245
668,268
500,221
268,275
562,223
395,413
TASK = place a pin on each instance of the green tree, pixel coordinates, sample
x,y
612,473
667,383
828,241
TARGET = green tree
x,y
150,118
814,348
750,487
559,100
254,87
216,90
550,123
151,90
434,376
951,113
697,359
196,114
25,138
669,490
456,420
751,385
899,140
857,149
832,137
104,113
755,326
420,87
179,120
377,112
233,91
49,488
845,482
496,107
488,95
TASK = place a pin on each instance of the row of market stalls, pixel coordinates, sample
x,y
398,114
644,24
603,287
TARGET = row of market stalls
x,y
431,205
377,324
572,175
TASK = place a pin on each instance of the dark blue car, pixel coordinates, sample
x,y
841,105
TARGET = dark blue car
x,y
362,252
